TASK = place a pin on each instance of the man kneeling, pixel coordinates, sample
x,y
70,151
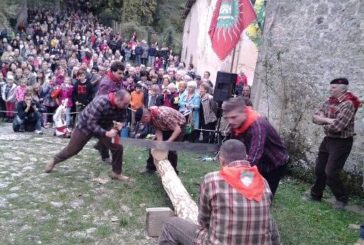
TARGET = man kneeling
x,y
28,117
233,207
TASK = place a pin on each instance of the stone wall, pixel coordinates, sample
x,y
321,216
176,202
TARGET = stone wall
x,y
307,44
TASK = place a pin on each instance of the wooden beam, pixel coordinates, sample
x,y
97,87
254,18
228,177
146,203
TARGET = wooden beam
x,y
182,202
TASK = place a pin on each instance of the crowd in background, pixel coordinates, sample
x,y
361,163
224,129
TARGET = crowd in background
x,y
51,70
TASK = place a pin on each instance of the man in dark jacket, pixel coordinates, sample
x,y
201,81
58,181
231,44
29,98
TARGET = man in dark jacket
x,y
101,118
111,82
138,54
265,147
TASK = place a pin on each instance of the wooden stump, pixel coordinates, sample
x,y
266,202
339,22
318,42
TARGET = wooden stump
x,y
182,202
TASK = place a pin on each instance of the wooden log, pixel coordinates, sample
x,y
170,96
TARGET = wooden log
x,y
182,202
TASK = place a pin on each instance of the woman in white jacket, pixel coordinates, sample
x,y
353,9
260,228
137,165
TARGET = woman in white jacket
x,y
8,95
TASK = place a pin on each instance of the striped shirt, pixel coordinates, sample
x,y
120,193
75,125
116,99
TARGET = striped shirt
x,y
227,217
166,118
98,116
344,115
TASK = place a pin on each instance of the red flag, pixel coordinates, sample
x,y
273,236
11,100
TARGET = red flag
x,y
229,19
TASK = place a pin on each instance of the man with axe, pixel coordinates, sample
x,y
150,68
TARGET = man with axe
x,y
101,118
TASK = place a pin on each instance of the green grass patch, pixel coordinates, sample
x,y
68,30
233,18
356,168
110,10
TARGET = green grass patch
x,y
92,213
303,222
103,231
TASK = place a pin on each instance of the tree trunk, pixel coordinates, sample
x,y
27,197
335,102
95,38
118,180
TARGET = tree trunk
x,y
22,19
58,6
182,202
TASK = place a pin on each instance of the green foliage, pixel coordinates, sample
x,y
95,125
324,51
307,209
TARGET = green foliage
x,y
149,16
8,10
140,11
129,28
170,13
171,38
107,16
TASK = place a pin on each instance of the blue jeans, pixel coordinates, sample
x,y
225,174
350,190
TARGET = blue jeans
x,y
68,117
138,59
151,60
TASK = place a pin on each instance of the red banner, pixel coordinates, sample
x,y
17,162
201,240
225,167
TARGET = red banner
x,y
229,19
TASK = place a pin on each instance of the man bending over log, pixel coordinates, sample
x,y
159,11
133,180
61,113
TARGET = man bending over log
x,y
97,119
169,125
233,207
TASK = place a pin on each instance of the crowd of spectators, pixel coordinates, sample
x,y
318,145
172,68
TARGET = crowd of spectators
x,y
51,70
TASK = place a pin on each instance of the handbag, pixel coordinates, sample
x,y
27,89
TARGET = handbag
x,y
189,125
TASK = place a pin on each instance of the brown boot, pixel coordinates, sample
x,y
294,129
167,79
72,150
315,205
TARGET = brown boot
x,y
50,166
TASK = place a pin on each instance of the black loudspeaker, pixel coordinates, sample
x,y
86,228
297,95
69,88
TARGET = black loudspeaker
x,y
224,86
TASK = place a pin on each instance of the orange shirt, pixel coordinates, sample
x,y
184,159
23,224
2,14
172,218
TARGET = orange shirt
x,y
137,100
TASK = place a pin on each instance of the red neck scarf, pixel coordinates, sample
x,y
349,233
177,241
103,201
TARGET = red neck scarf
x,y
112,99
347,96
251,118
113,78
245,179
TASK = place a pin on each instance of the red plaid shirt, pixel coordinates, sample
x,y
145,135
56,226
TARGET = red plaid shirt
x,y
166,118
343,113
227,217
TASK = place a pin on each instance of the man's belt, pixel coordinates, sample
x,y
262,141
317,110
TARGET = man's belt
x,y
170,146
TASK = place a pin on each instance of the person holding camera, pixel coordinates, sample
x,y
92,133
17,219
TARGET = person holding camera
x,y
28,117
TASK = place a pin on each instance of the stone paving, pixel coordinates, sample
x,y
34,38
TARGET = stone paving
x,y
69,206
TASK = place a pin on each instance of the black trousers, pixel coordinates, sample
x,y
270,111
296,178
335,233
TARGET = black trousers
x,y
172,155
331,159
273,177
104,151
208,137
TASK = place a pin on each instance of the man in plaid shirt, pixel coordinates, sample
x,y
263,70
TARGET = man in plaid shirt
x,y
336,116
265,147
233,207
98,119
169,125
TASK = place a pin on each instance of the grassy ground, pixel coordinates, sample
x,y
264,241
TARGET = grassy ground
x,y
71,206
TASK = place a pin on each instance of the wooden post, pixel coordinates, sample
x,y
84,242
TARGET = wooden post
x,y
183,204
